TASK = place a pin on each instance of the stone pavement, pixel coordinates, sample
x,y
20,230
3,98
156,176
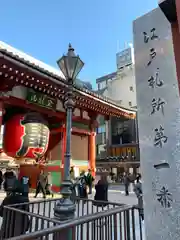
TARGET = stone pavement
x,y
113,196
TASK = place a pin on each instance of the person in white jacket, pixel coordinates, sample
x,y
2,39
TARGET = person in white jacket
x,y
139,195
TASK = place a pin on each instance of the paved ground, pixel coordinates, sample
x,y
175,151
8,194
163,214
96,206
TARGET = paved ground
x,y
120,188
114,196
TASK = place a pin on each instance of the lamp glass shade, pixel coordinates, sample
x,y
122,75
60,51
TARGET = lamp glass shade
x,y
70,64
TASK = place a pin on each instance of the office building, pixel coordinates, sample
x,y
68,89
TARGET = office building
x,y
117,138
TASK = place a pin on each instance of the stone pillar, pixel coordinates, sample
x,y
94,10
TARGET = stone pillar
x,y
159,124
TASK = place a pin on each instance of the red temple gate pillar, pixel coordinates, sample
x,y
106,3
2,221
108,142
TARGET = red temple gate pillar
x,y
92,142
92,152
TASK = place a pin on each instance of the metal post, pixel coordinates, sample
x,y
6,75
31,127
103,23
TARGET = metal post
x,y
65,208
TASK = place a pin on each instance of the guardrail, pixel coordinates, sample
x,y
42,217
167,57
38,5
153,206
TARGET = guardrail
x,y
93,221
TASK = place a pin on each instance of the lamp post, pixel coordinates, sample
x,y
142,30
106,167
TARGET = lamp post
x,y
70,66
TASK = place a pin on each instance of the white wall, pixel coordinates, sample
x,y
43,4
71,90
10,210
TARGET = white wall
x,y
119,88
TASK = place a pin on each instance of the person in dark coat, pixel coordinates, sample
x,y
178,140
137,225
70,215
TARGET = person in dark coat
x,y
101,192
9,181
16,224
25,181
82,186
90,180
126,183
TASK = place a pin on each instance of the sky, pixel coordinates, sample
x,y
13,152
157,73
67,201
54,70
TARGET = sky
x,y
95,28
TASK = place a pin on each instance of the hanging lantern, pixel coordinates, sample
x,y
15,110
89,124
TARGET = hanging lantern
x,y
26,136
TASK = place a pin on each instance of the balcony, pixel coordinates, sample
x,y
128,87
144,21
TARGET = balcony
x,y
126,153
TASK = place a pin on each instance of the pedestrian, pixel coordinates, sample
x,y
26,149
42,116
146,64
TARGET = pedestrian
x,y
9,181
126,183
17,223
90,180
49,185
139,195
26,184
82,186
72,174
1,179
41,184
101,192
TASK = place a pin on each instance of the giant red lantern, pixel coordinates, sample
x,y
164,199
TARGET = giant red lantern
x,y
26,136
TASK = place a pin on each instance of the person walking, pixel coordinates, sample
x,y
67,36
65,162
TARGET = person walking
x,y
139,195
90,180
25,181
41,184
49,185
126,183
82,186
9,181
101,192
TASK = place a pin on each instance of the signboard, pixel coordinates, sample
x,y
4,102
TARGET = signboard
x,y
41,99
124,58
5,94
158,104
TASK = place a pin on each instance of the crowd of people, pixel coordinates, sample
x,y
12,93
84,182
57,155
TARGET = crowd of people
x,y
43,184
82,186
85,182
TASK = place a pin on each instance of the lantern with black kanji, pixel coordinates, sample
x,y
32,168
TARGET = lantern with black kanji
x,y
26,136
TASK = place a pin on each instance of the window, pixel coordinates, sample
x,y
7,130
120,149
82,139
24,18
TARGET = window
x,y
131,88
102,85
101,129
100,148
130,104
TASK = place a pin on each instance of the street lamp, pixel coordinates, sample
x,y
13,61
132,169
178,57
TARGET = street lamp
x,y
70,65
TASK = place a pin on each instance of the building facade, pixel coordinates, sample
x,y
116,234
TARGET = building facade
x,y
32,96
117,139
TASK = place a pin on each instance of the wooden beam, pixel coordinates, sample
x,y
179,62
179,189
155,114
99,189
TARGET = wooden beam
x,y
75,131
24,104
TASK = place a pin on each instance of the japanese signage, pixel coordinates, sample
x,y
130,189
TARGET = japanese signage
x,y
124,58
5,94
158,122
41,99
